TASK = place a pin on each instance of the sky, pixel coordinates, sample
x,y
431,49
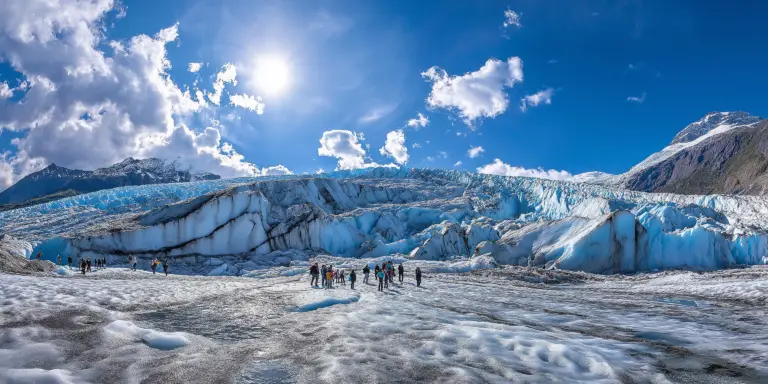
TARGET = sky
x,y
247,88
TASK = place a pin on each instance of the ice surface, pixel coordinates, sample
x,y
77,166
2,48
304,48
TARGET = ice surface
x,y
154,339
421,214
327,302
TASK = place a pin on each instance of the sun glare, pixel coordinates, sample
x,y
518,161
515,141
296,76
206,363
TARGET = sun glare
x,y
272,75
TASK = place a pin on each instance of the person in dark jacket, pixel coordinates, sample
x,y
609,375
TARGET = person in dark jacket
x,y
82,266
418,277
314,271
323,272
165,266
352,278
88,265
366,272
69,261
400,272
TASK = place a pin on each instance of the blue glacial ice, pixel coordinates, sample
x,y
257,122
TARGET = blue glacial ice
x,y
421,214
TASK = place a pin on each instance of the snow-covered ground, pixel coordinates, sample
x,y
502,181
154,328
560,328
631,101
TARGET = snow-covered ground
x,y
495,325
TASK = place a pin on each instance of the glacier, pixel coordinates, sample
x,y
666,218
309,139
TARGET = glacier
x,y
417,214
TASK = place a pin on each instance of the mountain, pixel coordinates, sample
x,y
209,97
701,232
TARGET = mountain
x,y
53,180
722,153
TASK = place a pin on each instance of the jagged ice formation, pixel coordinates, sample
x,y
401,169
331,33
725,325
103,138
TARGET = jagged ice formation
x,y
416,213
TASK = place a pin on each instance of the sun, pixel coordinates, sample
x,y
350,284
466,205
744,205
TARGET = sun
x,y
273,75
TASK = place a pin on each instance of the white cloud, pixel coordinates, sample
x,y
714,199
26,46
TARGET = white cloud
x,y
457,164
345,147
637,99
194,67
249,102
475,151
395,147
443,154
475,95
420,121
498,167
319,171
5,90
376,114
511,18
228,74
553,61
540,97
633,67
117,104
416,146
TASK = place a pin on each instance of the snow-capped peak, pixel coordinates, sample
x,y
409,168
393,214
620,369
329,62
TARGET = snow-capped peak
x,y
711,121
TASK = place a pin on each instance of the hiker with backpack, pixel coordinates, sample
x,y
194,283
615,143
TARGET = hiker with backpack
x,y
400,272
418,277
314,272
352,278
380,275
366,272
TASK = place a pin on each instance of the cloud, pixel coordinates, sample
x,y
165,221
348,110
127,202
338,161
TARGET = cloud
x,y
194,67
114,98
540,97
553,61
249,102
345,147
633,67
511,18
395,147
5,90
500,168
458,163
475,151
376,114
228,74
420,121
416,145
637,99
475,95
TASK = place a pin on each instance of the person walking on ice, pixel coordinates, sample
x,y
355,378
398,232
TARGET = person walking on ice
x,y
323,273
366,272
314,272
380,276
69,261
352,278
418,277
400,272
165,266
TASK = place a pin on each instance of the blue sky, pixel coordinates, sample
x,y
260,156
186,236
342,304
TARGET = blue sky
x,y
360,66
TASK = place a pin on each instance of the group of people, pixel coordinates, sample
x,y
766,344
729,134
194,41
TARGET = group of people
x,y
155,264
385,274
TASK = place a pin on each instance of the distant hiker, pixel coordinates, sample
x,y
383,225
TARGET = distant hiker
x,y
352,278
376,271
341,278
153,266
39,255
165,267
82,266
135,261
88,265
104,263
58,260
366,272
400,272
69,261
380,275
418,277
315,273
329,279
323,272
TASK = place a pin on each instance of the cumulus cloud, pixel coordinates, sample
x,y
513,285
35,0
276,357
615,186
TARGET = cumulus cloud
x,y
498,167
420,121
395,147
115,99
540,97
637,99
5,90
475,95
458,163
249,102
194,67
228,74
416,145
345,147
475,151
511,18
